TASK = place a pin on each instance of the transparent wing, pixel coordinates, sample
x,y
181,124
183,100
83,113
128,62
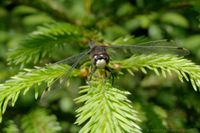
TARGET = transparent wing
x,y
72,59
59,81
157,47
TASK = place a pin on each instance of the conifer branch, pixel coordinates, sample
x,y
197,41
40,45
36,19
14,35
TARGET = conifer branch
x,y
106,109
39,121
30,78
163,65
43,42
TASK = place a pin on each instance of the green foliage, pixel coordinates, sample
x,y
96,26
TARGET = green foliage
x,y
11,128
156,123
31,78
36,121
163,65
106,109
43,42
39,121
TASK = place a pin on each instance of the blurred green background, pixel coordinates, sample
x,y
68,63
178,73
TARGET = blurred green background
x,y
165,104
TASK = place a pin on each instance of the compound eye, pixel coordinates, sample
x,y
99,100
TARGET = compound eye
x,y
106,57
95,57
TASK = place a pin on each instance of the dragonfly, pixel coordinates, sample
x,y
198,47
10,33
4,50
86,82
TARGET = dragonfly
x,y
100,55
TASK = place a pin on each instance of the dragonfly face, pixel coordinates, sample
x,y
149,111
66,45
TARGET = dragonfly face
x,y
99,56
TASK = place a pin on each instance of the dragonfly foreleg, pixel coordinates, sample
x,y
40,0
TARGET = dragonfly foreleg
x,y
93,69
105,73
111,73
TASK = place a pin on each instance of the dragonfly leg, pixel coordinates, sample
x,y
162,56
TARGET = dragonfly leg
x,y
112,74
93,69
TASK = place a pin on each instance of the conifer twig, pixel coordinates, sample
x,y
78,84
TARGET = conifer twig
x,y
163,65
31,78
106,109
